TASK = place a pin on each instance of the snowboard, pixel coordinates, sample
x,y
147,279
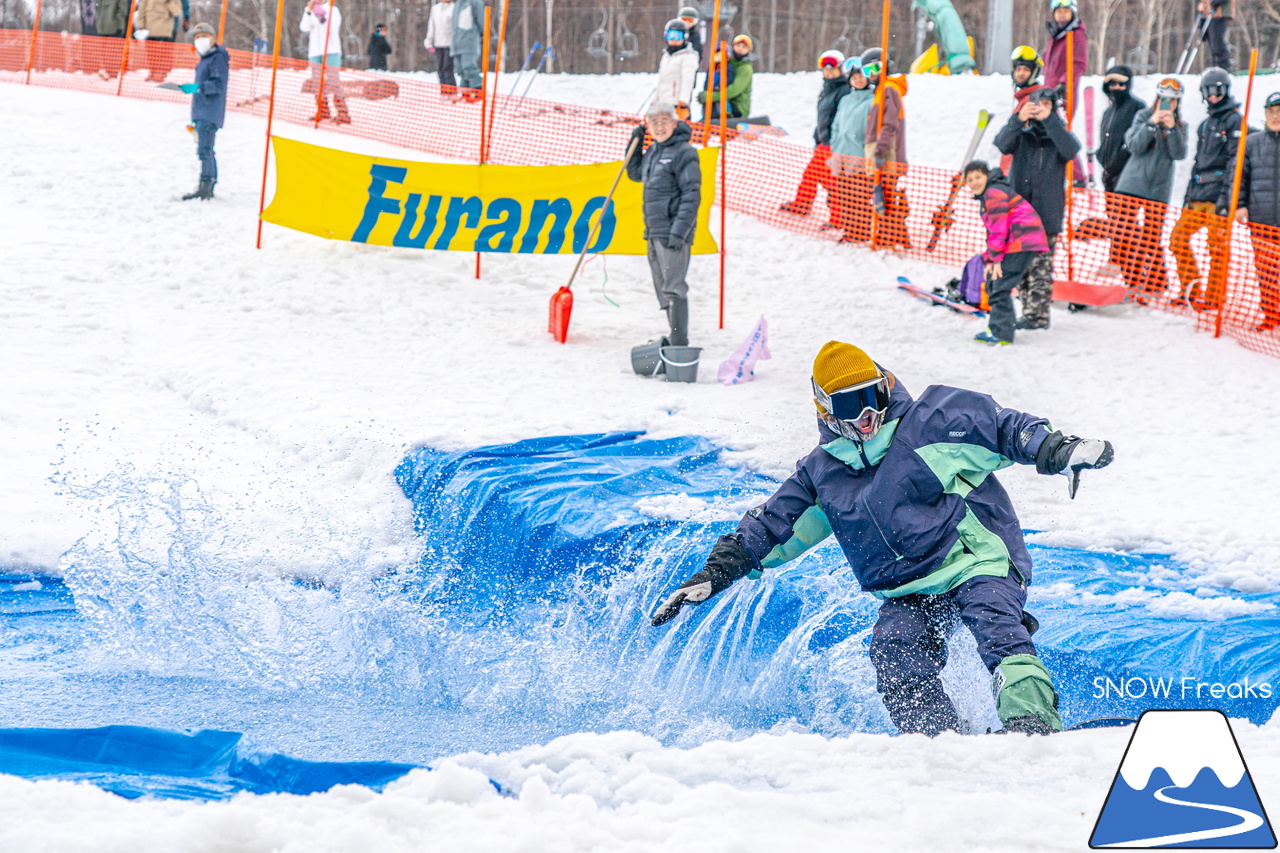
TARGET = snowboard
x,y
904,283
1101,723
1088,294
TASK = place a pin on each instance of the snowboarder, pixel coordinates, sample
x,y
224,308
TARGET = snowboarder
x,y
1218,136
677,69
1259,206
1041,147
438,42
379,48
907,487
886,146
1015,242
835,85
672,179
208,104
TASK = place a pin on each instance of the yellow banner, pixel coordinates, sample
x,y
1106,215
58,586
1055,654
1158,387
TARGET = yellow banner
x,y
524,209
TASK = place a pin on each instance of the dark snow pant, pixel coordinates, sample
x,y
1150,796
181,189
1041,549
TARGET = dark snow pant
x,y
1216,35
1036,289
1000,293
669,268
205,133
444,70
909,646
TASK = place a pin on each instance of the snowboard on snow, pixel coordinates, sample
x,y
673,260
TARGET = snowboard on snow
x,y
938,298
1089,294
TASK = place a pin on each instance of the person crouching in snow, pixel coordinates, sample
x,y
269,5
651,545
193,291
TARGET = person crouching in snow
x,y
1015,240
907,487
208,105
672,181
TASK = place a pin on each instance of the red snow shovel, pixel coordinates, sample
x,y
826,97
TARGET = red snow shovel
x,y
562,302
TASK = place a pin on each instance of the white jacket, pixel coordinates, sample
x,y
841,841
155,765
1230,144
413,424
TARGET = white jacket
x,y
677,76
316,29
440,25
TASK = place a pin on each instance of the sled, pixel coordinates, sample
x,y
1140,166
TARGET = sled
x,y
1079,293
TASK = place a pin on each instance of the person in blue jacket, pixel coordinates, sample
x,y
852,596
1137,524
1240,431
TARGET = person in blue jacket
x,y
208,105
906,486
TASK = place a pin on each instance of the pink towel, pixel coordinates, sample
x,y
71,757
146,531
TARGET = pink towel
x,y
741,366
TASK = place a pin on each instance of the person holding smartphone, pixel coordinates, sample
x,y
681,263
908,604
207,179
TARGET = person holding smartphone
x,y
1156,140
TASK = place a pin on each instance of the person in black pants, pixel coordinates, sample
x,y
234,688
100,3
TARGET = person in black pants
x,y
1219,14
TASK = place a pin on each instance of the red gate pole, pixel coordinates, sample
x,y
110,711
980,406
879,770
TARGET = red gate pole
x,y
222,22
128,37
35,29
324,60
880,89
497,71
1235,193
271,112
1071,164
484,97
724,148
715,36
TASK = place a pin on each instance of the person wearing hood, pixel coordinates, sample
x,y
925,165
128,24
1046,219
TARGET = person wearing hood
x,y
1037,140
465,45
208,104
835,85
885,148
1259,207
1064,18
1015,242
672,177
848,150
677,69
1217,139
907,487
1156,140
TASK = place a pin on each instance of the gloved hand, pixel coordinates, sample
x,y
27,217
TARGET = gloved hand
x,y
676,243
637,132
727,562
1069,455
190,88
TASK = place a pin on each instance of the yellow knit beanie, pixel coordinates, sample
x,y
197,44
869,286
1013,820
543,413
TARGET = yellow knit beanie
x,y
840,365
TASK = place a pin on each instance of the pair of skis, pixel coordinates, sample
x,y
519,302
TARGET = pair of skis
x,y
943,217
1189,53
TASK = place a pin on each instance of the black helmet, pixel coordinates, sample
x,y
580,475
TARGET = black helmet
x,y
1215,81
870,55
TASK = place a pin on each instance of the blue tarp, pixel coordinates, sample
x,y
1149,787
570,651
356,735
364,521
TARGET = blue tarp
x,y
133,761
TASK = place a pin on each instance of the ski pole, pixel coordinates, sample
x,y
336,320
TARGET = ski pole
x,y
647,98
524,67
550,52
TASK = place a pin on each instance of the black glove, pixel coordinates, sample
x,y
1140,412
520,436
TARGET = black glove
x,y
1223,210
1069,455
676,243
727,562
637,136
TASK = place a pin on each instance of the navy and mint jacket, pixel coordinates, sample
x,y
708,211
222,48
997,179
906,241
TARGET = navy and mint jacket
x,y
209,101
915,509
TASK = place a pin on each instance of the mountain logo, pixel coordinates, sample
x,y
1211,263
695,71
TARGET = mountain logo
x,y
1183,783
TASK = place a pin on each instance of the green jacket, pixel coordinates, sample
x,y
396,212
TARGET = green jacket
x,y
738,92
111,16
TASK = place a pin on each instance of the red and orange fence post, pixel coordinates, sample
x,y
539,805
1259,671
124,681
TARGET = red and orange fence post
x,y
324,62
222,22
128,37
35,33
484,98
497,72
880,90
1071,164
724,149
271,112
715,36
1221,298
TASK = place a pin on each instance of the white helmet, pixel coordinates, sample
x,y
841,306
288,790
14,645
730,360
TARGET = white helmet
x,y
830,57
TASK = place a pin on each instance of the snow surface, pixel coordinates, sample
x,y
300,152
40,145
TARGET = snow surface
x,y
144,337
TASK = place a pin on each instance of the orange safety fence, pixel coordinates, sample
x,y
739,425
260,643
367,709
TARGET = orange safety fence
x,y
1170,259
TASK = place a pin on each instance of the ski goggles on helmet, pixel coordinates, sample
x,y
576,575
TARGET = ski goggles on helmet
x,y
1025,53
1062,4
828,61
1169,88
676,35
851,66
857,412
873,68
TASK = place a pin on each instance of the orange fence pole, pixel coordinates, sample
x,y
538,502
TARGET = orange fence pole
x,y
324,61
880,89
484,98
128,37
222,21
1071,164
715,36
497,72
1235,191
724,148
271,112
35,30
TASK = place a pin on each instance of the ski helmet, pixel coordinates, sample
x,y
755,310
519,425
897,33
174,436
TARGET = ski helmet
x,y
851,66
871,56
1025,55
689,15
1170,87
1215,81
850,391
830,57
743,39
1064,4
676,30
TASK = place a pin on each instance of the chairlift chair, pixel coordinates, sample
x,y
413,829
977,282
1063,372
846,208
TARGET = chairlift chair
x,y
628,43
598,43
842,42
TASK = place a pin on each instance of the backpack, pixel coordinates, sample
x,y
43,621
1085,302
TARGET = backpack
x,y
970,287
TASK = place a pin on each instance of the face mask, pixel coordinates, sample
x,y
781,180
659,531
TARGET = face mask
x,y
203,45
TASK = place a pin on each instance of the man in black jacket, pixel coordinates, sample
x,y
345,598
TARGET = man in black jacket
x,y
672,179
1041,147
1218,137
835,85
1259,206
379,49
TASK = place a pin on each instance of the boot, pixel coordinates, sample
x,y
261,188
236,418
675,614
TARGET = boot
x,y
340,104
204,192
678,318
322,109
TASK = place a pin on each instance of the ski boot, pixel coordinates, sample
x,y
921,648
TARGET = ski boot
x,y
204,192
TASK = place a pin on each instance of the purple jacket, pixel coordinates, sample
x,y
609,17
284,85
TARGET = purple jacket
x,y
1055,56
1012,223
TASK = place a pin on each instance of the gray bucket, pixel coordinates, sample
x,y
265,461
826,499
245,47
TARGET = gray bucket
x,y
681,363
646,359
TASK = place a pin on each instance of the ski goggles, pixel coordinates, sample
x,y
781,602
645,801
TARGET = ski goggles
x,y
828,62
849,404
1025,53
1062,4
873,68
676,35
851,66
1169,88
